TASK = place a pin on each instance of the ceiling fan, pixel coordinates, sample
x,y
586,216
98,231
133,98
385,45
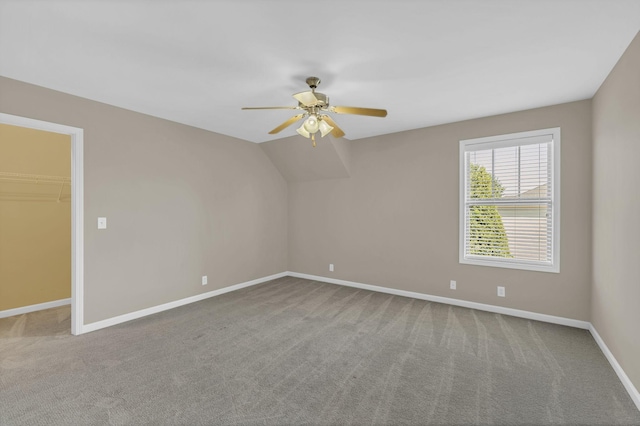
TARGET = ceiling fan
x,y
314,106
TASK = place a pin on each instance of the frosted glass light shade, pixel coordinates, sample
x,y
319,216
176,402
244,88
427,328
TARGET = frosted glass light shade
x,y
302,132
324,128
311,124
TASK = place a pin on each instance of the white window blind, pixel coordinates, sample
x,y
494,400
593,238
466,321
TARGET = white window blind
x,y
509,200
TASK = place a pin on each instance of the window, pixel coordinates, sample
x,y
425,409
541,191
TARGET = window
x,y
510,200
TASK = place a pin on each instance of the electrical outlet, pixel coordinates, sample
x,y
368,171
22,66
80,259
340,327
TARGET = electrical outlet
x,y
331,267
102,223
452,285
501,292
204,280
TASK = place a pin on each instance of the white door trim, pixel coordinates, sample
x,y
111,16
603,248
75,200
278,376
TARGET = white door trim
x,y
77,208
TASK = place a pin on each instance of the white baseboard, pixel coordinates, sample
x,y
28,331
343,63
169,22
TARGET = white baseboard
x,y
626,382
33,308
166,306
450,301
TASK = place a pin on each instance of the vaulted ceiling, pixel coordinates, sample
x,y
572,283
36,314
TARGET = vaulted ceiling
x,y
427,62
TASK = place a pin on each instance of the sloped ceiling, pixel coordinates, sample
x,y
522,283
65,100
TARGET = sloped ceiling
x,y
428,62
298,161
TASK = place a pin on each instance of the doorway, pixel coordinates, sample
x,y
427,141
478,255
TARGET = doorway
x,y
77,208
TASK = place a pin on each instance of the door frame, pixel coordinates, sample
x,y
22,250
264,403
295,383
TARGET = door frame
x,y
77,208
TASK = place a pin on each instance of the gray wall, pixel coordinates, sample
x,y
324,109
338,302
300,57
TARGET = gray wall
x,y
616,212
394,222
180,202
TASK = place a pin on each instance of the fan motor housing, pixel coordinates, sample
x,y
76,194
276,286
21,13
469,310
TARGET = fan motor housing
x,y
323,100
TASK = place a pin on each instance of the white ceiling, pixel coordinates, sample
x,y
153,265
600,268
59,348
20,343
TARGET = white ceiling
x,y
427,62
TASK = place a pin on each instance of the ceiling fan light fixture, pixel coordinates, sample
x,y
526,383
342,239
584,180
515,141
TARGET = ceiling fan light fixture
x,y
312,105
311,124
303,132
325,129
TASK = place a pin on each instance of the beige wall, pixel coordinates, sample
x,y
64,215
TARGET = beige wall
x,y
180,202
394,222
35,229
616,212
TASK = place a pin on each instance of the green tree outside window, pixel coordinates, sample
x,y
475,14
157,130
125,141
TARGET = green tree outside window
x,y
487,236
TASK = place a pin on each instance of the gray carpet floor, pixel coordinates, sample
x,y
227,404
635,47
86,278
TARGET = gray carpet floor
x,y
294,351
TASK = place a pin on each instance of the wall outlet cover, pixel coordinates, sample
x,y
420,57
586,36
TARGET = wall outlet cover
x,y
452,285
102,223
204,280
501,291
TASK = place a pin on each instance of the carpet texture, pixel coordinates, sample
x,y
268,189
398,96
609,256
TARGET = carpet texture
x,y
293,351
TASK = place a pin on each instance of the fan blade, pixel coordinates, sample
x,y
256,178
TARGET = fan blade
x,y
337,131
278,107
286,124
359,111
306,98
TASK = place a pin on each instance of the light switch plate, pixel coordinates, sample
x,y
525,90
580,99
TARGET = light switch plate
x,y
102,223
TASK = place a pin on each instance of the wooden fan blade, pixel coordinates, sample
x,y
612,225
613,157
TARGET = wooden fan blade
x,y
337,131
359,111
276,107
286,124
306,98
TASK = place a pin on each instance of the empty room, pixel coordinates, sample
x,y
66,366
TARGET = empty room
x,y
322,213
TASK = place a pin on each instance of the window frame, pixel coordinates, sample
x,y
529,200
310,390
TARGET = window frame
x,y
491,142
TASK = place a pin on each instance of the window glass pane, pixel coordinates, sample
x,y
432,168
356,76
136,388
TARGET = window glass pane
x,y
515,172
510,231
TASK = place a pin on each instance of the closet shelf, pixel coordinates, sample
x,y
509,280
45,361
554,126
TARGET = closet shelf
x,y
23,177
11,177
